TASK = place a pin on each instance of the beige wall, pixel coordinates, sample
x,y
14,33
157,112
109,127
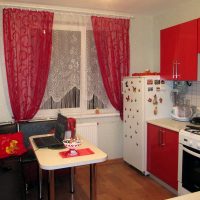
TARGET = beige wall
x,y
141,42
179,14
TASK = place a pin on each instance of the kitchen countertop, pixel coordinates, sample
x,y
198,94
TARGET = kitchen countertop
x,y
192,196
169,124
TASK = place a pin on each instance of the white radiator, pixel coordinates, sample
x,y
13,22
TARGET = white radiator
x,y
88,131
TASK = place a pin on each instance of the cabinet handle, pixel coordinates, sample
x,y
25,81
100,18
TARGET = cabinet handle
x,y
163,139
177,67
173,70
176,70
160,137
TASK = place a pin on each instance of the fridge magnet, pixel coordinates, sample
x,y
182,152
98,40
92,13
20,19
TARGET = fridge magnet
x,y
162,82
134,89
128,98
150,89
155,101
155,112
149,81
158,89
160,100
126,83
149,100
157,82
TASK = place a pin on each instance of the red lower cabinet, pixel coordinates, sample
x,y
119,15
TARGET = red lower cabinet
x,y
162,154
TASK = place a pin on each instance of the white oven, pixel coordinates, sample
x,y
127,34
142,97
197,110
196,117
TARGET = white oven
x,y
189,160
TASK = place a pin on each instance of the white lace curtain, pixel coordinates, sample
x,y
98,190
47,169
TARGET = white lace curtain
x,y
65,70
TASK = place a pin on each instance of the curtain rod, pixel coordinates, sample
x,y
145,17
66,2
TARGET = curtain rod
x,y
80,11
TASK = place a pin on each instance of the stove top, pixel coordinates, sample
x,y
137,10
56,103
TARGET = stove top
x,y
193,129
190,136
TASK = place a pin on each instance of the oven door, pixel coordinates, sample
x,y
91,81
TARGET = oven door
x,y
190,169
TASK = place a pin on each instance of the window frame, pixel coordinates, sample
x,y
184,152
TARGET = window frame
x,y
52,113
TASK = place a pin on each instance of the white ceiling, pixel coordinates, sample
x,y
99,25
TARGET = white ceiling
x,y
147,7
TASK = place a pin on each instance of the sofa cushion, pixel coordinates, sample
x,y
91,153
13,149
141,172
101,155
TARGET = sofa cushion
x,y
11,144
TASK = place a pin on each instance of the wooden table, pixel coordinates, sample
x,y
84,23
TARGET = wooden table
x,y
49,159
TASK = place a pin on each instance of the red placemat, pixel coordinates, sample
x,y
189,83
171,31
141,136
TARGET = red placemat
x,y
80,152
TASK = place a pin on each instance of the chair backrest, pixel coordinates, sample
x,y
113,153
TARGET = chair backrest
x,y
8,128
36,128
61,127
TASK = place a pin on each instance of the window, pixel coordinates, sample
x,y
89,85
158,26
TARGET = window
x,y
74,79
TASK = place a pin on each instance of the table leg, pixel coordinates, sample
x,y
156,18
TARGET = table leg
x,y
72,169
51,185
40,183
92,181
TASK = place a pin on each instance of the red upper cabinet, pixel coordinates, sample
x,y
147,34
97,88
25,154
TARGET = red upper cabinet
x,y
178,47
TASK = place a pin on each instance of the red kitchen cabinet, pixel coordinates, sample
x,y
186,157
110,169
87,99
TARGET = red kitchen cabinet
x,y
162,154
178,51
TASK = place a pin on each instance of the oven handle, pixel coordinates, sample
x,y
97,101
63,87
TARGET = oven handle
x,y
191,152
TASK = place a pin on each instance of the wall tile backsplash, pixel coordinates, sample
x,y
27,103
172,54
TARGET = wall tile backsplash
x,y
193,94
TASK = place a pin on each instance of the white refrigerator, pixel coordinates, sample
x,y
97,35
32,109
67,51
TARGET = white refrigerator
x,y
144,98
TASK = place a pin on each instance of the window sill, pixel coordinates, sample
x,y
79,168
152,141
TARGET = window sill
x,y
90,115
78,116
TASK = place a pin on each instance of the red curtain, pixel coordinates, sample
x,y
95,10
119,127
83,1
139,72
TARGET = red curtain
x,y
27,47
113,51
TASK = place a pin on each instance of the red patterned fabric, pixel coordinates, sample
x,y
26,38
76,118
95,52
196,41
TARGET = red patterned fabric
x,y
27,46
113,51
12,144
